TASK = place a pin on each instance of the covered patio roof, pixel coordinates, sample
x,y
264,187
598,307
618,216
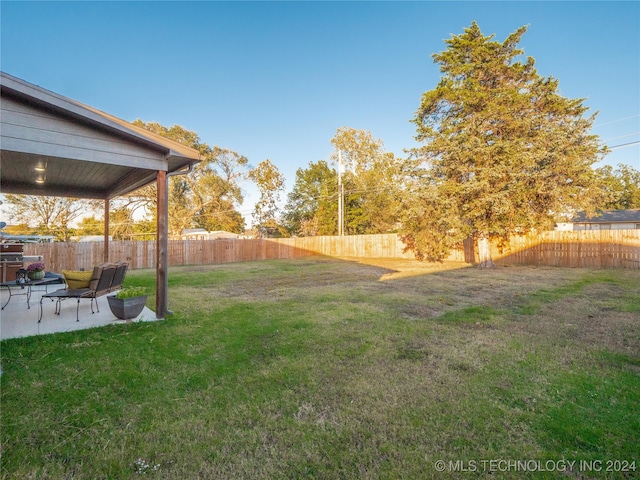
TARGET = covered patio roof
x,y
51,145
85,153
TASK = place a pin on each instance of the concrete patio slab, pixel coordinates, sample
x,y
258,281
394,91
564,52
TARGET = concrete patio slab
x,y
17,320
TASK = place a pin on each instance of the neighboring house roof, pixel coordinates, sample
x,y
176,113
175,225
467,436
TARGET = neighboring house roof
x,y
610,216
223,234
87,153
194,232
90,238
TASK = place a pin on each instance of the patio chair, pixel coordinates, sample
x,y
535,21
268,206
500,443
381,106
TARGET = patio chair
x,y
100,284
118,277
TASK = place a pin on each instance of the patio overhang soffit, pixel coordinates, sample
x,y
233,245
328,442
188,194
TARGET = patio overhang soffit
x,y
55,146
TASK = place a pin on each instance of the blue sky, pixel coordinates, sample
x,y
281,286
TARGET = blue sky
x,y
277,79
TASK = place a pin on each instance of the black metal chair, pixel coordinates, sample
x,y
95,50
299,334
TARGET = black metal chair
x,y
118,277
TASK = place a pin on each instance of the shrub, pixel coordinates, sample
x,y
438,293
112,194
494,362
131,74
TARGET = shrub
x,y
129,292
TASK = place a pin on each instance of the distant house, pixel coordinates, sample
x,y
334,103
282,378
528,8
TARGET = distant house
x,y
90,238
609,220
202,234
10,238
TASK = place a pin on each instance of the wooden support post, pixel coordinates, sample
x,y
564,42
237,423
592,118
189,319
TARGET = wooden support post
x,y
105,256
162,239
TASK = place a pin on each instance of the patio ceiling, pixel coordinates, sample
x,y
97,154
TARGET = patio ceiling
x,y
85,153
89,180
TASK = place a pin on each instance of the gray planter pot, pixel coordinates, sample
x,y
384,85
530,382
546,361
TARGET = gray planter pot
x,y
127,308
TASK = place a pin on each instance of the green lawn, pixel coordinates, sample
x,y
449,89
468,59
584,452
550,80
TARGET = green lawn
x,y
322,368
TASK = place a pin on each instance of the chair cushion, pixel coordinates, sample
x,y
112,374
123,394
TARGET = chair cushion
x,y
76,279
95,277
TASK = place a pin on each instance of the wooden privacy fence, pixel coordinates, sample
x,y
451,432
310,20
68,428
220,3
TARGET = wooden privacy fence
x,y
596,249
584,249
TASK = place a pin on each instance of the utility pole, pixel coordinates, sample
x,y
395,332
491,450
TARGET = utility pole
x,y
340,197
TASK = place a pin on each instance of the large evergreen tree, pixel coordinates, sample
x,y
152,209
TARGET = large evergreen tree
x,y
503,151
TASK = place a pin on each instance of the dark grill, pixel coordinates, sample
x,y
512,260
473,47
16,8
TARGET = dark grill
x,y
11,258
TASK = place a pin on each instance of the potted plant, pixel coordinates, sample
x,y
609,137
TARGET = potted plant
x,y
128,302
35,271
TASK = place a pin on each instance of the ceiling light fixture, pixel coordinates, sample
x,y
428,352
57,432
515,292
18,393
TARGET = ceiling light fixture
x,y
40,166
